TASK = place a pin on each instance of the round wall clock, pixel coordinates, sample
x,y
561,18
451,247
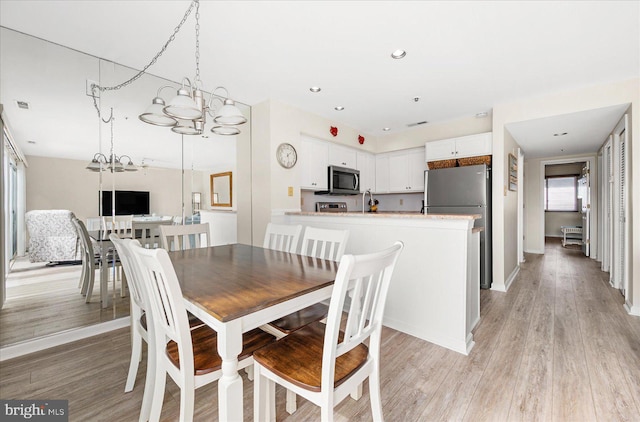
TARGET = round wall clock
x,y
286,155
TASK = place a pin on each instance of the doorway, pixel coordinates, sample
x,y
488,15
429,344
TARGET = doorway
x,y
569,199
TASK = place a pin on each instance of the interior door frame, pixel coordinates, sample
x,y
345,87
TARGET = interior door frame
x,y
520,206
607,205
593,194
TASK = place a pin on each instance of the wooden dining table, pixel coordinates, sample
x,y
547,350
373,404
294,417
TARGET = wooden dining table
x,y
236,288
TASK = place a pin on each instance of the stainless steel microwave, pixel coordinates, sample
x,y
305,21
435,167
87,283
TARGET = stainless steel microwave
x,y
342,181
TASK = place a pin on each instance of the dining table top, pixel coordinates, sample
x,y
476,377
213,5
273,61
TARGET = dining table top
x,y
232,281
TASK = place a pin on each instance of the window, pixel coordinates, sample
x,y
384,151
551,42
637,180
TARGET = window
x,y
560,193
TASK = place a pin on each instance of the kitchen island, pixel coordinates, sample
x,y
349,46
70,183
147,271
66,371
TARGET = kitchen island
x,y
435,290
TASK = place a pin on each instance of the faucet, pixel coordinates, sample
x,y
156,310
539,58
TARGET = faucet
x,y
368,191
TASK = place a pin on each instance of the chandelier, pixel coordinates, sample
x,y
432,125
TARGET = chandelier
x,y
113,162
186,113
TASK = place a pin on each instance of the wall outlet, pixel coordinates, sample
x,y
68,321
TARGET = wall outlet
x,y
290,191
401,201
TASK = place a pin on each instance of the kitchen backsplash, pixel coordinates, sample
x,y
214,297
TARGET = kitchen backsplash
x,y
386,202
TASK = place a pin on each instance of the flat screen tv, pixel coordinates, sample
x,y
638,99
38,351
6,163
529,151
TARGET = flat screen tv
x,y
127,202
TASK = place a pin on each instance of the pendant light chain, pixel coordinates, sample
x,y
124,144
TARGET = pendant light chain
x,y
197,78
112,155
153,61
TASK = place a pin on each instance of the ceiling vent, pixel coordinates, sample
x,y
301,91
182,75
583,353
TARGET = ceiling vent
x,y
23,105
424,122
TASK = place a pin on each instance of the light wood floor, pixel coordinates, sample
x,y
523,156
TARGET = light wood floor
x,y
557,347
42,300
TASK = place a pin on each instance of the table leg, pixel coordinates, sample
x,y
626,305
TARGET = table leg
x,y
230,384
104,281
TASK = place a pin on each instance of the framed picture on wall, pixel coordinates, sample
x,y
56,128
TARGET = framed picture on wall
x,y
513,173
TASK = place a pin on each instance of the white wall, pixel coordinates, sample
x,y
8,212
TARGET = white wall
x,y
57,183
586,98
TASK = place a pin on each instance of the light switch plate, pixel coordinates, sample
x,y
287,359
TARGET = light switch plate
x,y
290,190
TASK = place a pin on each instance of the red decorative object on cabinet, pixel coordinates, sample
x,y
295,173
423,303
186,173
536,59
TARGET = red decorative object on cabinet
x,y
361,139
334,131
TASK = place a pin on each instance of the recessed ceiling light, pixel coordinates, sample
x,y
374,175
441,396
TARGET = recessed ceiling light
x,y
481,114
560,134
339,108
31,142
416,99
315,89
398,54
386,129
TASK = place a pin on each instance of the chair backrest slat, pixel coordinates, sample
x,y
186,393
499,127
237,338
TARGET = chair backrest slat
x,y
324,243
282,237
364,281
182,237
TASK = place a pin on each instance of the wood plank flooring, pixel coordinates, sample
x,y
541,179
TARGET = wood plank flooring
x,y
42,300
557,347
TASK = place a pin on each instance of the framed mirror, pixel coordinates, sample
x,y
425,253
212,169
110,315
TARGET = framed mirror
x,y
221,187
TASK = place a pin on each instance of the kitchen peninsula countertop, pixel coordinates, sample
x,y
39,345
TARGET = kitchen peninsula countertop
x,y
388,214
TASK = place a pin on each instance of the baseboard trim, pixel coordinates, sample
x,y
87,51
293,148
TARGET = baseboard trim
x,y
535,251
505,287
632,310
512,277
57,339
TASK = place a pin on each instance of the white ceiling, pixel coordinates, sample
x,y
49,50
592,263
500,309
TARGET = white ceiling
x,y
462,57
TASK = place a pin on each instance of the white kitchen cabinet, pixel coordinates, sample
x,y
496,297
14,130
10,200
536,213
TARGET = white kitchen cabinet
x,y
382,173
406,171
366,163
464,146
342,156
313,161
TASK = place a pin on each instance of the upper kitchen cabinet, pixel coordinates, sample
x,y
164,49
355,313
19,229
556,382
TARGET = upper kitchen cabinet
x,y
342,156
400,171
366,163
464,146
313,160
382,173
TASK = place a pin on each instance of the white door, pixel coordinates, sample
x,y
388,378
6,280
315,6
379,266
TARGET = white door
x,y
622,221
619,221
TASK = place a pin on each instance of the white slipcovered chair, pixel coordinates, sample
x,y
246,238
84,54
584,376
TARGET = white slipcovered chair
x,y
52,236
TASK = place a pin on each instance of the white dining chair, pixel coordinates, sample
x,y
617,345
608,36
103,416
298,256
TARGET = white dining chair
x,y
122,225
91,262
189,356
140,322
182,237
326,244
282,237
320,362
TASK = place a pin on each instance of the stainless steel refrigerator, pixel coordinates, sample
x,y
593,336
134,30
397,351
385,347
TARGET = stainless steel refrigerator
x,y
464,190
